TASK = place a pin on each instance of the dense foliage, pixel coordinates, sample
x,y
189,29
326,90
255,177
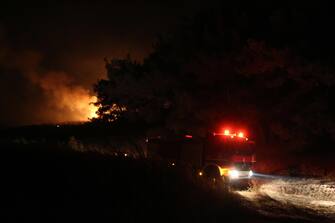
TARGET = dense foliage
x,y
239,64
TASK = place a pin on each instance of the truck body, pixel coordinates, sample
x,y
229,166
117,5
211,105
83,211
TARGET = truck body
x,y
224,156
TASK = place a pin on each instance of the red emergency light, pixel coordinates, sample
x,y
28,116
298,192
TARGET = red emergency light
x,y
227,132
241,134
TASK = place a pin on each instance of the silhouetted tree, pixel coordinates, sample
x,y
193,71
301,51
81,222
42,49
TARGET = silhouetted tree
x,y
225,66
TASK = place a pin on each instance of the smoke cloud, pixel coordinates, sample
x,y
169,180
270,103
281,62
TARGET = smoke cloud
x,y
51,54
33,94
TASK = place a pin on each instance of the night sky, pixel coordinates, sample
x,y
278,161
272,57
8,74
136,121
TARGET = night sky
x,y
52,52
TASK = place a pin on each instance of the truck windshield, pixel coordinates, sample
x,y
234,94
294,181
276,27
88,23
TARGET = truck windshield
x,y
243,166
218,147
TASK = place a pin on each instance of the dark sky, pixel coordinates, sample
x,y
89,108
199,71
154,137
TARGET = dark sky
x,y
51,52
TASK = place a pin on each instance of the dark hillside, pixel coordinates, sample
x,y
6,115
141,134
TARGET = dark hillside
x,y
55,186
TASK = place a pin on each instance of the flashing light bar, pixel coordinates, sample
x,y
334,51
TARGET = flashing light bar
x,y
226,132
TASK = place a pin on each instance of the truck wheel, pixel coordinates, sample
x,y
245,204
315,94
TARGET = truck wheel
x,y
226,184
213,177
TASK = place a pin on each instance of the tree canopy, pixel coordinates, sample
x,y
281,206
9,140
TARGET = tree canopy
x,y
233,64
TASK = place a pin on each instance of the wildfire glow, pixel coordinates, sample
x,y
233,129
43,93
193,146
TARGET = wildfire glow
x,y
63,97
92,109
85,107
70,102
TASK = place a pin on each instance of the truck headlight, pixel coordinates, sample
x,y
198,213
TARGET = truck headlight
x,y
233,174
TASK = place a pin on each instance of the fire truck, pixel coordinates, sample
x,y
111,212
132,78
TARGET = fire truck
x,y
226,157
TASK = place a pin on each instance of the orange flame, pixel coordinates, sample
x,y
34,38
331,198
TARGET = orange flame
x,y
70,102
92,109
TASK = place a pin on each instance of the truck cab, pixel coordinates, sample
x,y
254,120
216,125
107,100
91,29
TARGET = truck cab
x,y
229,157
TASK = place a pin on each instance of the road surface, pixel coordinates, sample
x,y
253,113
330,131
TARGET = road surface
x,y
312,200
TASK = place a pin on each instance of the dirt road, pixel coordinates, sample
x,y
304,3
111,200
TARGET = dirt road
x,y
305,199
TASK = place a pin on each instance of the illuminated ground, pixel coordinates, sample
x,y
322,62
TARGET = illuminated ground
x,y
306,199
